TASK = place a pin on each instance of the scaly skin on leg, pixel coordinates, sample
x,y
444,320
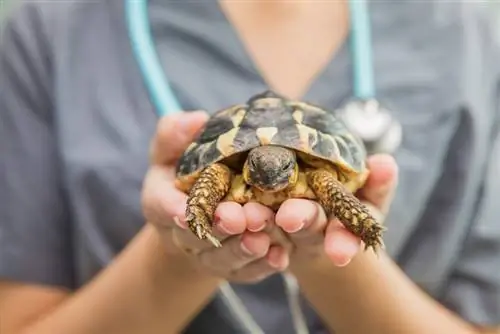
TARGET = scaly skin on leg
x,y
339,202
211,187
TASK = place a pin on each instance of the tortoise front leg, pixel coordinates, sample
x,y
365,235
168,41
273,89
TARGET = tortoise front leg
x,y
341,203
209,189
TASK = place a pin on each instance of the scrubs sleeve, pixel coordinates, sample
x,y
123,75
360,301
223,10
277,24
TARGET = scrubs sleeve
x,y
473,289
35,235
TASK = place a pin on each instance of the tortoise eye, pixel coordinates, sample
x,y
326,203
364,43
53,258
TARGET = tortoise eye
x,y
288,165
251,163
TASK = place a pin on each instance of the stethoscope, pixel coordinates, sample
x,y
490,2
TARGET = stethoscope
x,y
363,114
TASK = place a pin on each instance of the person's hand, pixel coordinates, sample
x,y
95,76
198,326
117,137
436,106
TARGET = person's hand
x,y
246,256
312,234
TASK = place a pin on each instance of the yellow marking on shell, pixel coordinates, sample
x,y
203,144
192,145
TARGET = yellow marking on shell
x,y
298,116
225,142
265,135
313,160
229,112
307,106
333,141
268,102
305,132
191,146
238,116
341,161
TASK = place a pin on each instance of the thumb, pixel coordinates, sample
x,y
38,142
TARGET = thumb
x,y
381,183
173,135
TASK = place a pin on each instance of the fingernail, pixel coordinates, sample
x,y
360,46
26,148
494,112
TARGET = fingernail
x,y
344,262
276,258
258,229
245,249
341,249
348,251
220,225
298,228
180,224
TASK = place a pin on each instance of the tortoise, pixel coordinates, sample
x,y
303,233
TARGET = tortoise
x,y
270,149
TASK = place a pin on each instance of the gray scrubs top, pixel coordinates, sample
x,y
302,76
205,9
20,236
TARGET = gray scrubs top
x,y
76,122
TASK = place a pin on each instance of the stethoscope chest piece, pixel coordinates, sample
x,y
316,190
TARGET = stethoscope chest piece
x,y
373,124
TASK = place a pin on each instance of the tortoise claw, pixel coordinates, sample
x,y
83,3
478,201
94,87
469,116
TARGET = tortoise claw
x,y
207,192
341,203
214,240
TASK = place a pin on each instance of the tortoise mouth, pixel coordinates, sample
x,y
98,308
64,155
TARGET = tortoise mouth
x,y
273,187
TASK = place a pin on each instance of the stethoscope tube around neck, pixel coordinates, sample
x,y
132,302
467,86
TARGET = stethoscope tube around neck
x,y
161,92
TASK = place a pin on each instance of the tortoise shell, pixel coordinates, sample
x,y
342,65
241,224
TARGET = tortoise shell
x,y
317,135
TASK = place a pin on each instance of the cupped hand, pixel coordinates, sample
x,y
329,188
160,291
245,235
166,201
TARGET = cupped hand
x,y
312,234
246,256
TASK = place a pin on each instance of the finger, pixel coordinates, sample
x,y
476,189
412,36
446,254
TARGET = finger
x,y
229,219
161,201
173,135
340,244
258,216
302,218
382,181
374,211
277,260
237,252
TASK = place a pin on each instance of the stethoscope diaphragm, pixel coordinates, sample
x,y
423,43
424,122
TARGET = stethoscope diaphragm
x,y
373,124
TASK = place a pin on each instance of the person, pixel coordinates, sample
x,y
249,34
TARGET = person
x,y
89,242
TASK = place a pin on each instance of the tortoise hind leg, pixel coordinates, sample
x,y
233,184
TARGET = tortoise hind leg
x,y
209,189
341,203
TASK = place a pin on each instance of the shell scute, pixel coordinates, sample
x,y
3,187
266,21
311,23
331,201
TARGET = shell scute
x,y
270,120
333,141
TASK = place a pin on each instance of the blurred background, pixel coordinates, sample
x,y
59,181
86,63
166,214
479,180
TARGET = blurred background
x,y
7,5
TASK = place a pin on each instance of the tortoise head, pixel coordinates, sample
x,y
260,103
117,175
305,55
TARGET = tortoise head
x,y
271,168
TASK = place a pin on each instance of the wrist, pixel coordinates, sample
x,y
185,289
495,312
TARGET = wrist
x,y
308,261
323,264
168,260
308,264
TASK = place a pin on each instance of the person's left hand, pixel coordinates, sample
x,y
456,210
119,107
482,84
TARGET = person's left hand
x,y
311,233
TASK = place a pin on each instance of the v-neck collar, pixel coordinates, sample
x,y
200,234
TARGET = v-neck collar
x,y
334,69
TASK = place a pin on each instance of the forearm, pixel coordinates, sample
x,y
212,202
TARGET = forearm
x,y
374,296
143,291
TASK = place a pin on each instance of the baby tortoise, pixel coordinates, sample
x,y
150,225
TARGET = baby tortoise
x,y
271,149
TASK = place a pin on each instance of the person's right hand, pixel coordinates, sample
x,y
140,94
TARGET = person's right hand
x,y
245,256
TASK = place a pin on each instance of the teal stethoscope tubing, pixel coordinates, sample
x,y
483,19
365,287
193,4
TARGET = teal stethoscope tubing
x,y
161,92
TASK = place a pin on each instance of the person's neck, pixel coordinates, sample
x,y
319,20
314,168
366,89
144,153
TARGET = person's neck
x,y
280,10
